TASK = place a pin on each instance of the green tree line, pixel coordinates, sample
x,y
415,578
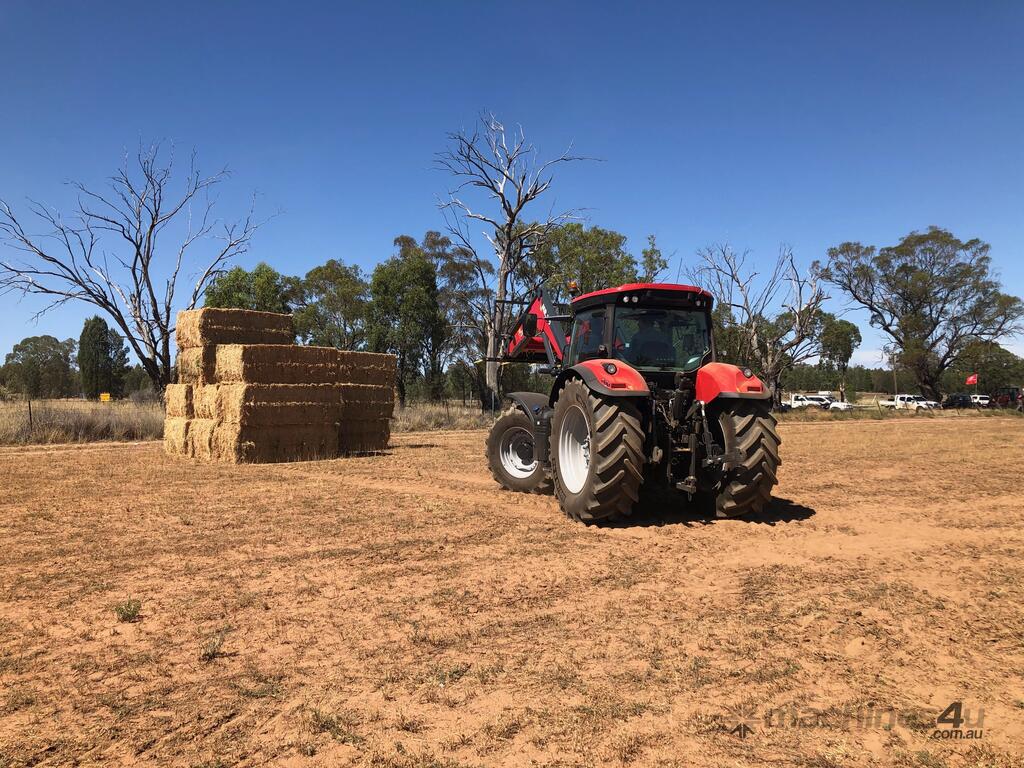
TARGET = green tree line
x,y
46,367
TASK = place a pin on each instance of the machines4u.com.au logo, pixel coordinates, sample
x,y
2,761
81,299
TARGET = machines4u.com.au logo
x,y
956,721
950,724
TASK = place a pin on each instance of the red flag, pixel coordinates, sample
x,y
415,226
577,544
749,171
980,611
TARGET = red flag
x,y
972,379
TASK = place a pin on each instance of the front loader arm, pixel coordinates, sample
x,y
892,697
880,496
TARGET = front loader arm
x,y
538,335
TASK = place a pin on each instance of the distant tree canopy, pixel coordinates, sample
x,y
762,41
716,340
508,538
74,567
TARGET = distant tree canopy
x,y
102,359
652,262
996,367
263,289
931,294
591,257
42,367
405,316
839,338
331,304
136,380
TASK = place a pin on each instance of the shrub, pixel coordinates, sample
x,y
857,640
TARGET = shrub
x,y
128,611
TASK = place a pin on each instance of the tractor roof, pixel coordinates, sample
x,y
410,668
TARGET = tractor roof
x,y
628,287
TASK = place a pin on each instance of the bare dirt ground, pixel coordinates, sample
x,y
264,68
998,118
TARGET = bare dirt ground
x,y
400,610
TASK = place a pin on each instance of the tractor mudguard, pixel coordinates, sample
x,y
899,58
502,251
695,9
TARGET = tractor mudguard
x,y
529,403
598,375
724,380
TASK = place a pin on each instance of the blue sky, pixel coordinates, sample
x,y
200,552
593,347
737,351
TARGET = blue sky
x,y
756,123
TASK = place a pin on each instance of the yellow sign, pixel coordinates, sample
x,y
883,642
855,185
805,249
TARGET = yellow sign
x,y
104,397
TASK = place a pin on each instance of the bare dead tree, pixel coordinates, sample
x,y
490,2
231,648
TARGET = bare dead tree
x,y
773,321
135,281
502,168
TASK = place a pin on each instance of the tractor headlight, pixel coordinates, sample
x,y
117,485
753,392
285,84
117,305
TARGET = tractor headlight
x,y
611,369
748,373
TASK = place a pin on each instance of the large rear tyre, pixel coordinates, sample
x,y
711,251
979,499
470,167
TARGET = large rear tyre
x,y
744,486
511,455
597,454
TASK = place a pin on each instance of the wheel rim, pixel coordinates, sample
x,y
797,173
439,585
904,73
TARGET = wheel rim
x,y
516,452
574,450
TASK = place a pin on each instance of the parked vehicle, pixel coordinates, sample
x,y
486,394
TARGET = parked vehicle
x,y
981,401
959,400
803,401
840,405
905,403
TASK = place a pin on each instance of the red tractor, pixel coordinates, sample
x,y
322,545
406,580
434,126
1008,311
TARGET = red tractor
x,y
637,399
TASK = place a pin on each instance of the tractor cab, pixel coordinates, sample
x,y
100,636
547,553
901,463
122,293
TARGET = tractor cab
x,y
658,329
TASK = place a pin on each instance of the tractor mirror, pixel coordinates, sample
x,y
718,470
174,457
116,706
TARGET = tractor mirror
x,y
530,325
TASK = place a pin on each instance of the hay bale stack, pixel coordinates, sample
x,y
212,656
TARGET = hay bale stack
x,y
247,394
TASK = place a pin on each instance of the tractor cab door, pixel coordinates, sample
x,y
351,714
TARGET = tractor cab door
x,y
588,336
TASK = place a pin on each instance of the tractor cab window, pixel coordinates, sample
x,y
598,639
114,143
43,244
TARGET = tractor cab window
x,y
587,335
660,338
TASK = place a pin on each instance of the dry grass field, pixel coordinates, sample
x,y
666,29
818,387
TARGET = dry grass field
x,y
400,610
79,421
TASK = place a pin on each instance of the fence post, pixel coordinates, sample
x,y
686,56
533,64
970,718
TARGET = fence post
x,y
30,416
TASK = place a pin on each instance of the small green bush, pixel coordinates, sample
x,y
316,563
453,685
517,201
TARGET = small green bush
x,y
128,611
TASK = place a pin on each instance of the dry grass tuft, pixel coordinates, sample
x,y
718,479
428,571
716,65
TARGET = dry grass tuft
x,y
128,611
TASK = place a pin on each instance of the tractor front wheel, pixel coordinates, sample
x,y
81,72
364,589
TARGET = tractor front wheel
x,y
597,454
511,455
747,430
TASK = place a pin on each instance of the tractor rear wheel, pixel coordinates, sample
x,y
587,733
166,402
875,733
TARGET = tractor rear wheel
x,y
597,454
511,455
744,486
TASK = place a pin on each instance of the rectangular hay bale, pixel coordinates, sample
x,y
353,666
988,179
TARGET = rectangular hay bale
x,y
276,364
367,368
235,443
364,436
208,326
178,400
270,404
204,401
196,365
199,442
176,430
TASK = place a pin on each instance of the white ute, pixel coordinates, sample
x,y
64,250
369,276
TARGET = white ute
x,y
906,403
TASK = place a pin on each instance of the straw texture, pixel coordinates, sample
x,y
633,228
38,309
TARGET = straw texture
x,y
209,326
